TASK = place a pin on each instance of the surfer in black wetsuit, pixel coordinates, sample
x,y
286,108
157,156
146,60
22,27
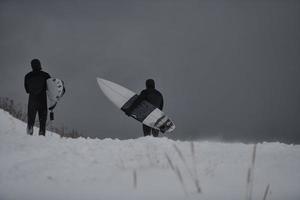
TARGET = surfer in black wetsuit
x,y
154,97
35,85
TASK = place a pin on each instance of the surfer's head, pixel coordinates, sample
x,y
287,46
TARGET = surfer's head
x,y
36,65
150,83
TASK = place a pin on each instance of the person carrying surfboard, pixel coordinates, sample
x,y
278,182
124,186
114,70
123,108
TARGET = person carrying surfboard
x,y
154,97
35,85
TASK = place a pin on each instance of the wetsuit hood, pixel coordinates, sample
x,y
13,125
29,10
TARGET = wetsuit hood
x,y
36,65
150,84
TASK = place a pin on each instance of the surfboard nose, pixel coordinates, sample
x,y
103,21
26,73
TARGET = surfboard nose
x,y
116,93
99,80
102,83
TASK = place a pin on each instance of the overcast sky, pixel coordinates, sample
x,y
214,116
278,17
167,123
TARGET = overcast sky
x,y
228,70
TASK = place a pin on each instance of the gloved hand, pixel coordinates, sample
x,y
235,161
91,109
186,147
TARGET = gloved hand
x,y
127,112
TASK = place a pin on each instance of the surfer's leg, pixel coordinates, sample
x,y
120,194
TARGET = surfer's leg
x,y
154,132
147,130
31,113
42,118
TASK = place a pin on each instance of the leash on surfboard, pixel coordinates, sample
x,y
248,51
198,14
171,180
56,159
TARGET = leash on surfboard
x,y
51,112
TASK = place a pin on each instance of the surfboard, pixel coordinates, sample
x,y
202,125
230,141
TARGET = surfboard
x,y
55,90
145,112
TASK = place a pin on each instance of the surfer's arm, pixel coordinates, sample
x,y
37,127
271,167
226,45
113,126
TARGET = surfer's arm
x,y
26,85
138,100
162,104
47,76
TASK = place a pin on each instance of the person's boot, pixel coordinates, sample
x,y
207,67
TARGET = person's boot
x,y
42,133
155,132
29,130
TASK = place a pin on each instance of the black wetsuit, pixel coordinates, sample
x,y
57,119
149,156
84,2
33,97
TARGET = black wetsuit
x,y
153,96
35,86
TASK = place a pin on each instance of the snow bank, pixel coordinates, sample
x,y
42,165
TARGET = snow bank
x,y
54,168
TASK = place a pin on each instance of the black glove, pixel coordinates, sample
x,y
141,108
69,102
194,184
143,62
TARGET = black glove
x,y
127,112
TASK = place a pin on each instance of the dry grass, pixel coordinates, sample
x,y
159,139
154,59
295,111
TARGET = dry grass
x,y
266,192
193,173
250,176
177,172
134,178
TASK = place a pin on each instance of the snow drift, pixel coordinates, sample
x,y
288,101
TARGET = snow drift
x,y
54,168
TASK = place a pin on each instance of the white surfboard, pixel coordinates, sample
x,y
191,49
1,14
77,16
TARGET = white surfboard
x,y
55,90
145,113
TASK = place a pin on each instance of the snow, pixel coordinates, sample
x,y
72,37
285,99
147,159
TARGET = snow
x,y
54,168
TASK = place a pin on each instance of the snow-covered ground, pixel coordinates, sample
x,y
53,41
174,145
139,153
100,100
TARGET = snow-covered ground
x,y
54,168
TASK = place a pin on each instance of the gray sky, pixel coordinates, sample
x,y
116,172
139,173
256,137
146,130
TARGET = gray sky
x,y
228,69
